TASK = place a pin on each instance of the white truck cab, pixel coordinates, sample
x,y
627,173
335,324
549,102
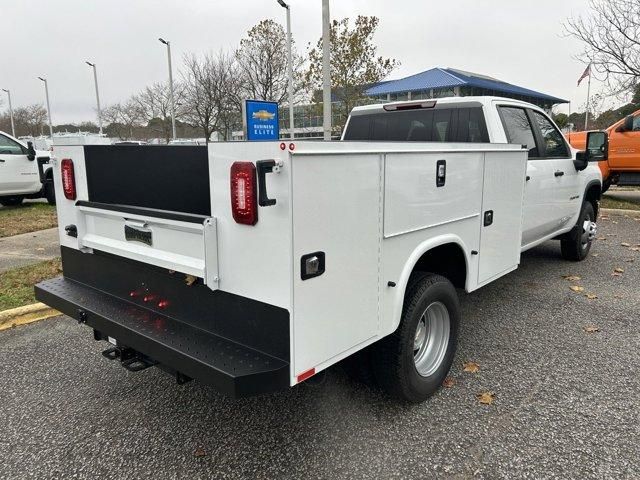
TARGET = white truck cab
x,y
24,172
253,266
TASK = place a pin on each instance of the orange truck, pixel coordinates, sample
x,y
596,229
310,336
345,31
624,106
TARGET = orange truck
x,y
623,165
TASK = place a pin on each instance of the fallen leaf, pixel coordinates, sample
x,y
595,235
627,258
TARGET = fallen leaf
x,y
614,222
199,452
591,329
601,238
571,278
577,288
190,280
486,398
471,367
612,234
448,382
635,249
625,244
618,270
591,296
616,274
595,254
40,249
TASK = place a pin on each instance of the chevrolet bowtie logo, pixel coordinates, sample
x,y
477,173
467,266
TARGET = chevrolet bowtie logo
x,y
263,115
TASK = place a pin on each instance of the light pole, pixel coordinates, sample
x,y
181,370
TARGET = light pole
x,y
289,67
46,92
326,69
95,79
13,127
173,111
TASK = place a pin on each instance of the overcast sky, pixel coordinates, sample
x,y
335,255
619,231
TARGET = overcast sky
x,y
518,41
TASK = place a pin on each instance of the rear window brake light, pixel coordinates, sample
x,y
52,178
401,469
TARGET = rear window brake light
x,y
392,107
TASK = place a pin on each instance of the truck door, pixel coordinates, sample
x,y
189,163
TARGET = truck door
x,y
624,147
540,218
560,170
18,174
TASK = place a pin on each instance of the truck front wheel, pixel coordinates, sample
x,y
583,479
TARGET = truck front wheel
x,y
577,245
412,362
49,192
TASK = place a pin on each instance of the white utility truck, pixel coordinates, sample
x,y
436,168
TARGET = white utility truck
x,y
24,172
252,266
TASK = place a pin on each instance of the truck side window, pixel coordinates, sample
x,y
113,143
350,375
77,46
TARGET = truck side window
x,y
519,131
554,144
10,147
636,123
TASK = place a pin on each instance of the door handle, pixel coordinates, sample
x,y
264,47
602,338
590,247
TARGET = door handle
x,y
1,161
264,167
558,173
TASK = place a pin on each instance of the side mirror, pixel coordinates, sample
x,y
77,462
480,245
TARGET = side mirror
x,y
627,126
597,146
31,152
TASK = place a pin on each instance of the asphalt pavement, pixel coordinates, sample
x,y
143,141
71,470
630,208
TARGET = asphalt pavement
x,y
567,402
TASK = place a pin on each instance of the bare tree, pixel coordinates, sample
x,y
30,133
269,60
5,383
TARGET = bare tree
x,y
262,60
154,103
122,118
212,87
611,38
30,120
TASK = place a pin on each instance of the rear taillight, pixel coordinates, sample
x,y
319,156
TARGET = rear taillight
x,y
68,179
244,193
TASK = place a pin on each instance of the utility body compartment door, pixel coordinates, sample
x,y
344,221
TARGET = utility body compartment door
x,y
337,210
501,218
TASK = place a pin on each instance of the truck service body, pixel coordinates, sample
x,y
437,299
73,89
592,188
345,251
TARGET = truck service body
x,y
252,266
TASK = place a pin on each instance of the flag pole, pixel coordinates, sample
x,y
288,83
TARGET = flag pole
x,y
586,115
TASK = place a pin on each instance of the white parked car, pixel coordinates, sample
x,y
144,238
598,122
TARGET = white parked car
x,y
252,266
24,172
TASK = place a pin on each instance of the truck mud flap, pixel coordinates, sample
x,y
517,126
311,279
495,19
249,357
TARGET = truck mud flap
x,y
232,368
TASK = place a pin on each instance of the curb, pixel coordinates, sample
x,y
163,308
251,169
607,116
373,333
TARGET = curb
x,y
620,211
24,315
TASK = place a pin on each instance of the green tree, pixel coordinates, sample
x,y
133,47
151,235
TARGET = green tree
x,y
355,64
561,119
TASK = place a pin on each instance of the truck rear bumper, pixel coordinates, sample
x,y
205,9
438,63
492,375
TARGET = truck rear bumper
x,y
232,368
238,345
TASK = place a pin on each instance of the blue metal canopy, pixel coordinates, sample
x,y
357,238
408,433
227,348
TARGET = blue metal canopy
x,y
439,78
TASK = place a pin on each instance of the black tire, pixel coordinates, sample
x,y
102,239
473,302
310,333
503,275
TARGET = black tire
x,y
577,245
49,192
393,356
606,184
11,201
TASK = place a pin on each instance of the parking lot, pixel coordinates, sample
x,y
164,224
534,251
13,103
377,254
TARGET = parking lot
x,y
566,401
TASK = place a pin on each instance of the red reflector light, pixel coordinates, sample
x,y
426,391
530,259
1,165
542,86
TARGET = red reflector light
x,y
283,146
68,179
308,374
163,304
244,193
292,146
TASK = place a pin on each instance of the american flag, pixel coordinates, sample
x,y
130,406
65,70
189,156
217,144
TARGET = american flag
x,y
587,73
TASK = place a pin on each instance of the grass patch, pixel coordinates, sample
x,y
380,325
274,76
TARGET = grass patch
x,y
16,285
608,202
27,218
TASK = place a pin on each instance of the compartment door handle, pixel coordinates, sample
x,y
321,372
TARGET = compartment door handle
x,y
264,167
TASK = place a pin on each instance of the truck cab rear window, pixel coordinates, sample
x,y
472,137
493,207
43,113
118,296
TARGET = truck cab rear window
x,y
441,125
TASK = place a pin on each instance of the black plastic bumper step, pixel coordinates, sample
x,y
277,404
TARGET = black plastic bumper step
x,y
232,368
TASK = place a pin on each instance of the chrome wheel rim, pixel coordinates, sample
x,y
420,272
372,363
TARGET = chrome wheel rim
x,y
588,231
431,339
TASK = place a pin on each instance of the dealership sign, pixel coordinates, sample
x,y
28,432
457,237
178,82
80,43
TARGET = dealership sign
x,y
261,120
